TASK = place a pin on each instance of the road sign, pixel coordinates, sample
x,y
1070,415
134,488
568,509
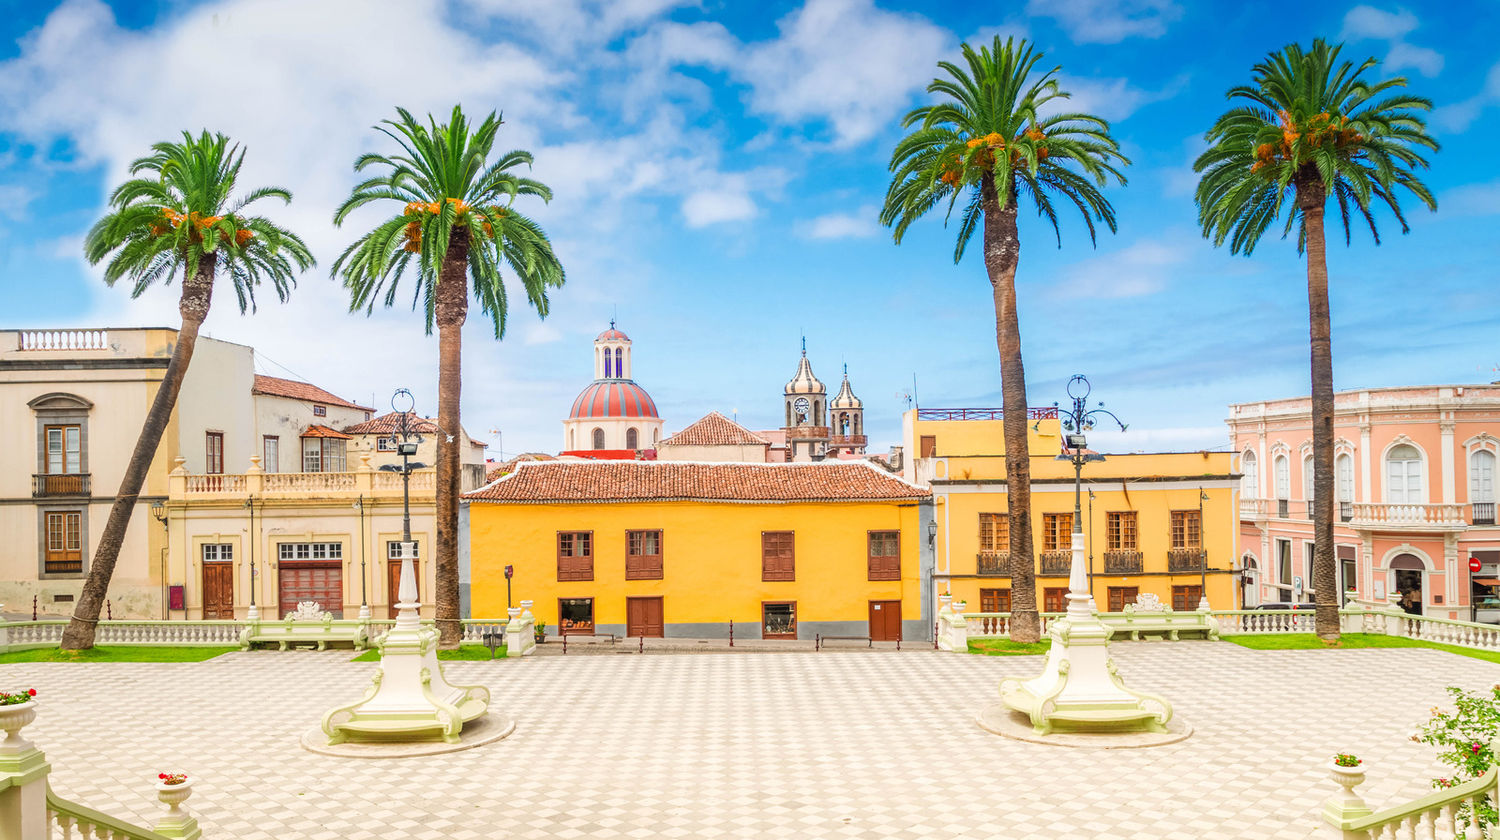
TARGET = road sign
x,y
1474,564
1297,584
509,570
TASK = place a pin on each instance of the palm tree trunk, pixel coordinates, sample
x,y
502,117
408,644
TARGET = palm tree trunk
x,y
1311,198
1002,253
193,304
452,309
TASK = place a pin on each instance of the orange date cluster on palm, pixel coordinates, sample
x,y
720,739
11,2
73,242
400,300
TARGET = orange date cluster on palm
x,y
197,223
413,231
985,157
1322,130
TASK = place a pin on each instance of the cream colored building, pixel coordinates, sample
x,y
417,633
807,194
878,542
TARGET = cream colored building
x,y
714,437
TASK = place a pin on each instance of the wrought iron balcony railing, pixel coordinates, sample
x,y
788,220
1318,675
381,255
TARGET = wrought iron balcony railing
x,y
993,563
68,484
1484,513
1184,559
1058,562
1123,561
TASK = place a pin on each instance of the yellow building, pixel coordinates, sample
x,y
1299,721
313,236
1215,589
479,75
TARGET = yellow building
x,y
682,549
1157,523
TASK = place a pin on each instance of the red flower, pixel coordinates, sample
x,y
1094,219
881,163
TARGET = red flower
x,y
1474,748
161,775
31,692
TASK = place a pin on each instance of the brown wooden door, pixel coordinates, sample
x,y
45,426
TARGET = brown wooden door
x,y
643,617
321,582
64,543
393,575
218,591
885,621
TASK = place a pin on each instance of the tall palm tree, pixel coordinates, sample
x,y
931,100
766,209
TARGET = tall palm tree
x,y
456,220
992,140
179,212
1308,128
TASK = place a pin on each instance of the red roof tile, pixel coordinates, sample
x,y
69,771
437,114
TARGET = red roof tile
x,y
715,430
639,481
292,389
324,432
389,424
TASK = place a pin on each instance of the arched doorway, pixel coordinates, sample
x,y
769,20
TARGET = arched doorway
x,y
1249,582
1410,575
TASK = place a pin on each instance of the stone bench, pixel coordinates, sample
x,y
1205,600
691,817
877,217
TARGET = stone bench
x,y
308,624
1148,615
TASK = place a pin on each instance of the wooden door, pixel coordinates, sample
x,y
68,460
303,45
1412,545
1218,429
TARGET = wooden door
x,y
321,582
643,617
393,581
885,621
64,543
218,591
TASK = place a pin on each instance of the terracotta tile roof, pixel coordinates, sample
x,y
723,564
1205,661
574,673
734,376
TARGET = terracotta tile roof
x,y
715,430
324,432
638,481
292,389
506,467
388,424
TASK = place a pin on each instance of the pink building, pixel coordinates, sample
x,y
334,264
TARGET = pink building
x,y
1414,473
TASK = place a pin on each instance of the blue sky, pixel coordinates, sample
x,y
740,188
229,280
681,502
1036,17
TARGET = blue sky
x,y
718,168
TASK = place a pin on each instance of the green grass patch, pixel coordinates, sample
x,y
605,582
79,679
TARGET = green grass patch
x,y
118,653
465,653
1005,647
1309,641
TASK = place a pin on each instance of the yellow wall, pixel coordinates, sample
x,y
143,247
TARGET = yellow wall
x,y
711,560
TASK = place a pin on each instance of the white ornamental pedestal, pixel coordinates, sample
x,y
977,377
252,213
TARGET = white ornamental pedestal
x,y
1079,689
410,699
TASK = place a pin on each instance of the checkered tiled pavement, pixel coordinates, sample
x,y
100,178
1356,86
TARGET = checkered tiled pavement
x,y
798,745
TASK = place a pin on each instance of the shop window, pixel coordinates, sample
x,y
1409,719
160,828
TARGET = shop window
x,y
778,620
575,615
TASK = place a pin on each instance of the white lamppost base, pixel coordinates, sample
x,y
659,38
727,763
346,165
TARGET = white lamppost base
x,y
1080,688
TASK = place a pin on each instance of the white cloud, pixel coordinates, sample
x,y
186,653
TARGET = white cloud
x,y
1460,115
860,225
708,207
568,25
1108,21
1471,200
1142,268
14,200
1392,27
1112,99
542,333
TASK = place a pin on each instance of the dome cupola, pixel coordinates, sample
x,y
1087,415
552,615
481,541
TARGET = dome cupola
x,y
612,414
846,398
804,382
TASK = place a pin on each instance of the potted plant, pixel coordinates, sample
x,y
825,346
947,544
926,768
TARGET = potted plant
x,y
173,789
17,709
1347,770
540,631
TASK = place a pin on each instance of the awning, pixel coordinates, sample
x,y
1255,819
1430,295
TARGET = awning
x,y
1487,581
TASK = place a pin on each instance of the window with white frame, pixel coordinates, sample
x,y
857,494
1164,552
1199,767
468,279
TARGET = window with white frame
x,y
1250,480
1307,477
270,459
324,454
1343,467
393,550
1283,478
386,444
1482,476
311,551
1403,475
217,552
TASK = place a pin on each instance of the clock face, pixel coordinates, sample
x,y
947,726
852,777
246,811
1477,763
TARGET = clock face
x,y
802,404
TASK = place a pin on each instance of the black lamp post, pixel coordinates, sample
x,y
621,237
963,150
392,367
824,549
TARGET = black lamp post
x,y
1202,554
406,448
159,512
1075,421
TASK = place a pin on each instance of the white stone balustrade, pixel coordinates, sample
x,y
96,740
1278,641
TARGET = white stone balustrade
x,y
1438,517
1447,813
34,340
365,481
520,634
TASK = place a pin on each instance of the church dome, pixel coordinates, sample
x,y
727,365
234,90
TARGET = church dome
x,y
804,382
846,398
613,398
612,334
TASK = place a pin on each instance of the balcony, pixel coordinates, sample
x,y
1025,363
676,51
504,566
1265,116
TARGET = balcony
x,y
1253,508
1401,516
1185,559
847,440
1057,562
301,485
71,484
1048,413
806,432
993,563
1283,509
1484,513
1123,561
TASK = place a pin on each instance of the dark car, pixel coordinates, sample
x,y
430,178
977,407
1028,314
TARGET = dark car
x,y
1284,606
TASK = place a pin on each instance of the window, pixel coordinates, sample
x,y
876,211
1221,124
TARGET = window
x,y
643,555
1283,478
1186,529
1482,476
1284,568
1054,599
575,555
1343,469
994,532
330,551
778,620
63,543
778,559
386,443
218,552
320,411
994,600
620,362
1119,596
885,555
1307,565
598,438
1119,530
214,447
393,550
64,450
1186,598
1250,477
323,454
270,457
632,439
1057,531
575,615
1307,478
1403,470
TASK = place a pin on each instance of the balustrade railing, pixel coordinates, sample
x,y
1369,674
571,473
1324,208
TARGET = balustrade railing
x,y
1445,814
185,633
216,484
1120,561
982,624
64,340
475,629
64,484
1450,632
1483,513
1409,514
993,563
1253,508
1263,621
1184,559
67,820
1057,562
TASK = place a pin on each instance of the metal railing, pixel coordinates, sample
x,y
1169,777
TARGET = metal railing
x,y
1058,562
1346,511
1185,559
1483,513
992,563
65,484
1046,413
1123,561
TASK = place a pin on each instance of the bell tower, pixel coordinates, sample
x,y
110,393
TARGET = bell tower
x,y
846,415
806,402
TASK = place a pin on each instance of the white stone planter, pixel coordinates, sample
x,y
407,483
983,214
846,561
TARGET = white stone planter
x,y
174,795
1347,777
958,607
12,720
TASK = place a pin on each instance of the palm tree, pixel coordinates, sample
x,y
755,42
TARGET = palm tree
x,y
456,220
179,212
992,140
1310,127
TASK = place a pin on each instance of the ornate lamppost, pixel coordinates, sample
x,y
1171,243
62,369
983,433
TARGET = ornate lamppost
x,y
1075,421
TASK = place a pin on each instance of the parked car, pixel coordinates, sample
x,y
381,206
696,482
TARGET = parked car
x,y
1285,606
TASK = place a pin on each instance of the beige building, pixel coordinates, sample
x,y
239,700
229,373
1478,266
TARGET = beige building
x,y
257,478
714,438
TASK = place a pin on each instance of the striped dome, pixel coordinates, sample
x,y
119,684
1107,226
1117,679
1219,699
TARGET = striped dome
x,y
613,398
612,334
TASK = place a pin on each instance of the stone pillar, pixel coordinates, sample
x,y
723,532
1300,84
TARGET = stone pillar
x,y
1346,806
1445,427
23,782
1364,460
1393,614
953,632
520,634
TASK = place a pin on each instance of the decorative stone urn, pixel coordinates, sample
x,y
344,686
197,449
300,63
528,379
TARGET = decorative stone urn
x,y
174,795
177,823
958,607
12,719
945,603
1346,804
